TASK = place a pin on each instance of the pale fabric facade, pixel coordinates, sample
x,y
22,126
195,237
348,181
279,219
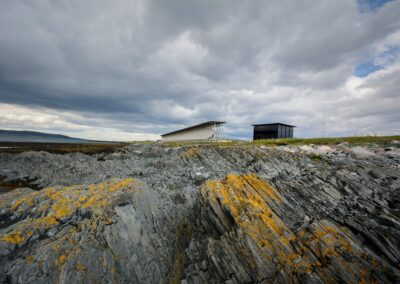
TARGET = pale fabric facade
x,y
208,131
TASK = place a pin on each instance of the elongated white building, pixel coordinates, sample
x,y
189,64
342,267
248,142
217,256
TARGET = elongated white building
x,y
206,131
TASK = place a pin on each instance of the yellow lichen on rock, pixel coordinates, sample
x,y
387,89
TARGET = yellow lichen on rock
x,y
24,200
56,204
17,203
13,238
80,267
62,259
62,212
246,198
97,196
264,189
191,152
29,259
121,184
251,203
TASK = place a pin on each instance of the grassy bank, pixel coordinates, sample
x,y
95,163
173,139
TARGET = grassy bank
x,y
297,141
328,141
59,148
65,148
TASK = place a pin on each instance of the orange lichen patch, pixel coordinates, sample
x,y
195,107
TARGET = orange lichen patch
x,y
19,195
13,238
107,221
66,246
121,184
49,191
26,228
330,242
44,207
241,196
29,259
47,221
250,202
23,200
62,259
97,196
60,203
327,241
62,212
92,200
246,198
96,201
264,189
80,267
191,152
17,203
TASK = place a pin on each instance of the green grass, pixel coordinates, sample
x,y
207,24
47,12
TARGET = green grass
x,y
65,148
328,141
293,141
59,148
197,143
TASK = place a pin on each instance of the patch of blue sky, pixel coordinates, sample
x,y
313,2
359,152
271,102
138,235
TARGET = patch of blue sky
x,y
366,68
388,56
378,62
366,6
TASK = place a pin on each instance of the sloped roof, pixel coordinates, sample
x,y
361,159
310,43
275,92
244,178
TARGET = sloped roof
x,y
278,123
208,123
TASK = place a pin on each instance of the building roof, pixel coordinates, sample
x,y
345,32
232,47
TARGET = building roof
x,y
208,123
278,123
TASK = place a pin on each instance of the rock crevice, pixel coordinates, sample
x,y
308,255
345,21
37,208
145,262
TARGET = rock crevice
x,y
203,214
264,243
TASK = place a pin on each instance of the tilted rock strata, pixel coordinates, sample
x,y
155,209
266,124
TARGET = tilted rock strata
x,y
112,232
255,244
326,212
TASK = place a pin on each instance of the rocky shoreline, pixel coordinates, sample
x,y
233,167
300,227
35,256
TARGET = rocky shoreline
x,y
3,190
147,213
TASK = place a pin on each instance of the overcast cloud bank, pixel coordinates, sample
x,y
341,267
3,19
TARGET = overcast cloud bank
x,y
129,70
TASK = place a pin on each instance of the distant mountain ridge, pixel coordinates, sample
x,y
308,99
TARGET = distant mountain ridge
x,y
34,136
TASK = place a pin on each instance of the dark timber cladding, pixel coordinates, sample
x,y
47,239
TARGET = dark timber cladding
x,y
272,131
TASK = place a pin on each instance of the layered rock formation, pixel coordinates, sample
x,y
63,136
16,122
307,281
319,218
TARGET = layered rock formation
x,y
152,214
111,232
261,237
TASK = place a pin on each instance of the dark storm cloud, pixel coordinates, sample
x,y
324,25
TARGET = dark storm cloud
x,y
151,66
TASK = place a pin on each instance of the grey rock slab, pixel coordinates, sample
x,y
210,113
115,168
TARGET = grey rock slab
x,y
164,230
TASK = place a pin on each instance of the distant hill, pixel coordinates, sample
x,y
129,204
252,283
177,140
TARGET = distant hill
x,y
33,136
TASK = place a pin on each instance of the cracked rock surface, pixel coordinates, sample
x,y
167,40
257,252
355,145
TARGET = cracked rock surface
x,y
198,214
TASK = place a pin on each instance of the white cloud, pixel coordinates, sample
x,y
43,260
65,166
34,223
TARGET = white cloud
x,y
51,121
135,69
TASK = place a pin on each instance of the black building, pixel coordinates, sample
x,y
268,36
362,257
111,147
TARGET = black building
x,y
272,131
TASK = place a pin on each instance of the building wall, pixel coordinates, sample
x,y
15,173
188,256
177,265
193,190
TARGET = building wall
x,y
265,132
201,133
285,131
272,132
280,130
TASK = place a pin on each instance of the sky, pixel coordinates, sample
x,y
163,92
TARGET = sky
x,y
134,69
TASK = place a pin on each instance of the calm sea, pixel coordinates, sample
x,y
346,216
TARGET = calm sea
x,y
4,190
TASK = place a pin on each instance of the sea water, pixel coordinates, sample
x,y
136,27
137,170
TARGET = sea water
x,y
3,190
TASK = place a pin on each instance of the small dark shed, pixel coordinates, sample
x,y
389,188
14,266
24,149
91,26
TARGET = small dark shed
x,y
272,131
